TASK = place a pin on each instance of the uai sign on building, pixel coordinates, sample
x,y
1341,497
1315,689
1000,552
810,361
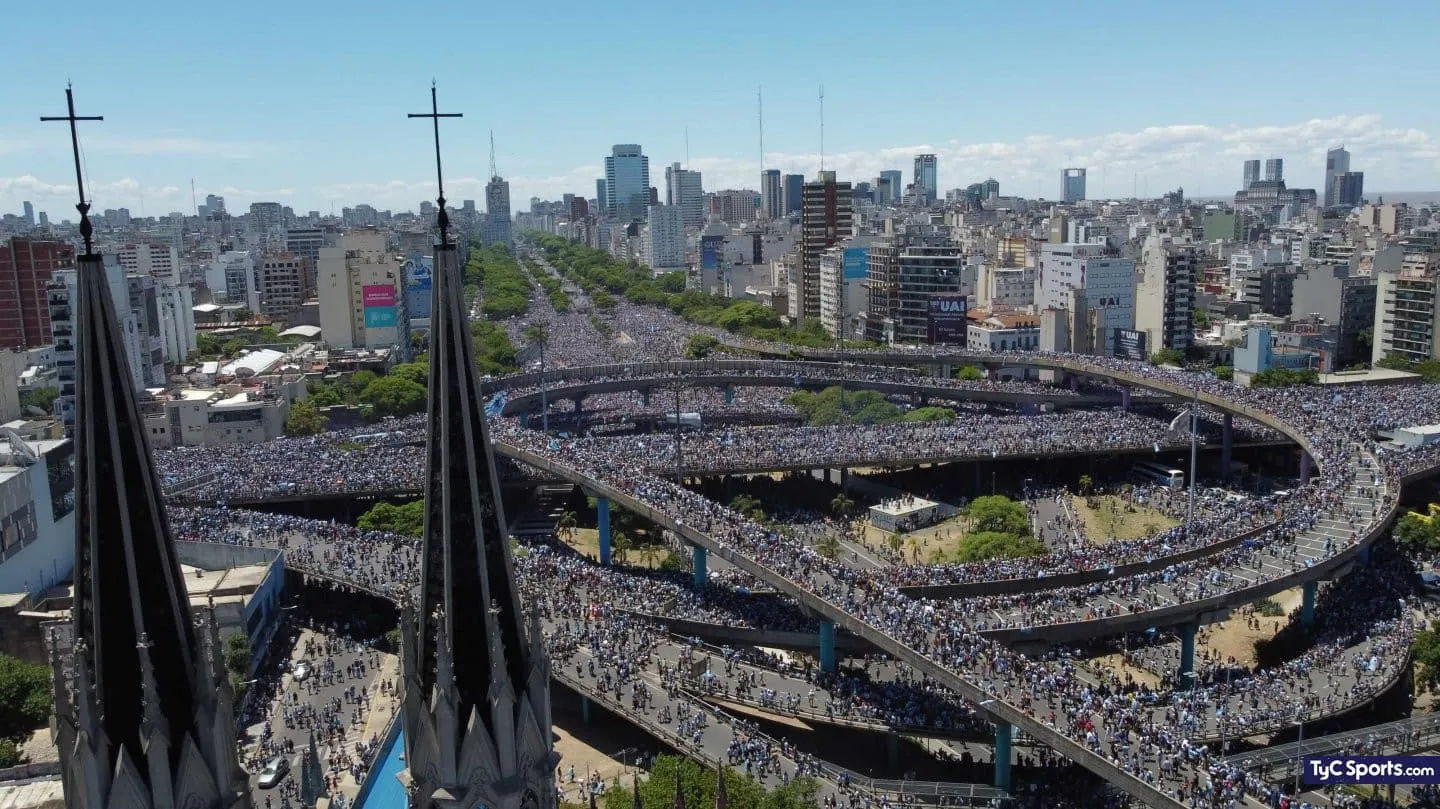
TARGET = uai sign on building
x,y
379,304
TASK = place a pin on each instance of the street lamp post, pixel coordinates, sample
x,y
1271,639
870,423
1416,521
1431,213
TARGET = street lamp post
x,y
1194,440
1299,748
679,462
544,405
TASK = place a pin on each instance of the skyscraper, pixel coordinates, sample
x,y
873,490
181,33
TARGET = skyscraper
x,y
1347,188
770,195
601,195
792,193
1252,174
1337,161
826,217
497,211
1275,170
29,213
143,714
927,182
683,189
627,182
1072,185
475,678
26,267
897,187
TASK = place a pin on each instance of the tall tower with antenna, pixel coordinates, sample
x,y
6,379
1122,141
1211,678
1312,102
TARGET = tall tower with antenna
x,y
496,226
822,127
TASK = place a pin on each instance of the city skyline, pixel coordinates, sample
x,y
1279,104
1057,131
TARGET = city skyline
x,y
247,135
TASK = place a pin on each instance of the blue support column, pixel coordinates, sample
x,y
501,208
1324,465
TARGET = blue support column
x,y
699,561
1125,399
602,521
524,419
645,397
729,394
1307,602
1363,557
585,710
827,646
1305,464
1227,440
1004,737
892,748
1187,656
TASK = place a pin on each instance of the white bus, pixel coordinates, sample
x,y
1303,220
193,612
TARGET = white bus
x,y
1151,472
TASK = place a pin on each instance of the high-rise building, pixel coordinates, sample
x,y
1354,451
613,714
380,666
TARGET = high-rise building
x,y
29,214
627,182
736,207
904,272
1252,174
1337,161
684,191
601,195
792,193
283,285
897,185
361,291
1275,170
26,267
826,217
1072,185
267,216
1165,292
1407,309
150,258
1105,282
664,237
1346,189
770,195
497,212
927,179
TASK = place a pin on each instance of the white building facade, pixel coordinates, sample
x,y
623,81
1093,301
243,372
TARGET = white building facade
x,y
1107,281
361,292
664,237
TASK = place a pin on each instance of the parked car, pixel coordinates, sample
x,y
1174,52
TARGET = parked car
x,y
274,772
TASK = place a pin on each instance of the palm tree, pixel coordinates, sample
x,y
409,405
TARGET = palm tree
x,y
828,546
841,504
565,526
620,546
1086,484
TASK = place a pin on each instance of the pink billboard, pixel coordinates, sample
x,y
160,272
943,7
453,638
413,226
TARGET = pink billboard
x,y
378,295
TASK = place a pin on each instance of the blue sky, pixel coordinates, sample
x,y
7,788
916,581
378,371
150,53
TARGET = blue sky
x,y
305,103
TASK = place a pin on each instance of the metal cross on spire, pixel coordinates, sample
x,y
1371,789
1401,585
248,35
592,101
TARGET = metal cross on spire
x,y
443,220
86,229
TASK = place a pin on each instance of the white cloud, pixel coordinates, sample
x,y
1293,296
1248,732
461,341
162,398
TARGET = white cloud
x,y
227,150
1204,158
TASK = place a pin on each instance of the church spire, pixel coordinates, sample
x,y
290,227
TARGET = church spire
x,y
476,701
145,724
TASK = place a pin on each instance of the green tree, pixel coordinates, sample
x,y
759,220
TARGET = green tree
x,y
25,699
207,344
699,346
393,396
749,506
969,373
841,504
999,514
494,353
565,525
836,406
1224,373
929,414
9,753
243,314
1202,318
43,398
1365,341
1417,533
1168,356
417,372
1284,378
325,394
1395,362
267,335
406,519
981,545
232,347
1429,370
1086,484
304,419
237,655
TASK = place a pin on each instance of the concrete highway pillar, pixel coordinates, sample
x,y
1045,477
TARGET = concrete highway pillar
x,y
699,562
947,371
729,394
602,521
1363,557
1187,655
1004,737
892,748
845,479
645,397
524,419
1305,464
585,710
829,475
1307,602
1227,439
579,405
1074,383
827,646
1125,399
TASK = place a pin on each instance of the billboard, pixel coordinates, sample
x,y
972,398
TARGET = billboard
x,y
1130,345
418,272
711,249
947,323
857,262
377,295
380,317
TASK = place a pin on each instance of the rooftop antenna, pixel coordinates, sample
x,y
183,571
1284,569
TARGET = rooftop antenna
x,y
442,221
822,127
194,203
493,172
86,229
